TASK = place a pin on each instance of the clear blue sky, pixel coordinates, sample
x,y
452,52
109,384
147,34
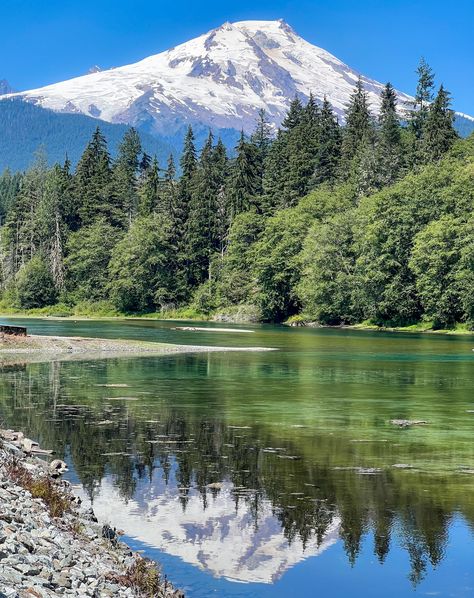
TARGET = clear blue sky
x,y
44,41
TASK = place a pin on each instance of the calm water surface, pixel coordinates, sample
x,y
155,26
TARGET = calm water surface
x,y
312,491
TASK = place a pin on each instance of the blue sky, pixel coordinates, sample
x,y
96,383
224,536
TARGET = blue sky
x,y
44,41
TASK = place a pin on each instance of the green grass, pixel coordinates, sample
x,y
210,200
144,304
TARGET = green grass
x,y
97,310
423,326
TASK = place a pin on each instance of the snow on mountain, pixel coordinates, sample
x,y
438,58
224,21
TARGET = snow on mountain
x,y
220,539
220,79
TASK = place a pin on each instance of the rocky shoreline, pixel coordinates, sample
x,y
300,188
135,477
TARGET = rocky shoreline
x,y
51,546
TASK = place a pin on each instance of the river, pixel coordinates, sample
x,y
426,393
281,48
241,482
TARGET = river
x,y
272,474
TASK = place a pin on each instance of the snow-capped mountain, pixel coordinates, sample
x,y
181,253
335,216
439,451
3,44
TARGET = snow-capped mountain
x,y
221,539
220,79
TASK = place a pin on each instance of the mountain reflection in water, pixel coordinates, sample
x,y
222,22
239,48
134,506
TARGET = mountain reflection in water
x,y
244,484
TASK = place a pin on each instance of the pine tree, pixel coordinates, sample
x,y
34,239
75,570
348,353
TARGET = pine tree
x,y
423,97
302,142
125,174
93,184
145,162
358,123
389,138
328,152
438,131
188,164
149,189
275,173
244,183
202,223
262,139
294,116
221,165
69,206
419,113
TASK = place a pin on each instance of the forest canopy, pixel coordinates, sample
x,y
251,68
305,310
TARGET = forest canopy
x,y
366,221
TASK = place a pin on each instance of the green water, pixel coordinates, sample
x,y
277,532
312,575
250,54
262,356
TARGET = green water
x,y
315,487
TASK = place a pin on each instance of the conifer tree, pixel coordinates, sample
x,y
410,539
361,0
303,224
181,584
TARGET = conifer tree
x,y
275,173
202,224
294,116
69,207
125,174
149,189
302,142
261,138
438,131
389,138
244,182
145,162
328,152
358,123
221,165
423,97
93,184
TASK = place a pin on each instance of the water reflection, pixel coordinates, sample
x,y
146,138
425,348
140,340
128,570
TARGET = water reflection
x,y
249,489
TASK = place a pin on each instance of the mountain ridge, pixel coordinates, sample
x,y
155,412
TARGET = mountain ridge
x,y
219,79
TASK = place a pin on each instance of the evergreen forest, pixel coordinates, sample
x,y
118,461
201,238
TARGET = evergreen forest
x,y
369,221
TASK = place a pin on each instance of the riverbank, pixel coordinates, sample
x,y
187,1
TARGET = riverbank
x,y
36,347
421,327
189,315
52,546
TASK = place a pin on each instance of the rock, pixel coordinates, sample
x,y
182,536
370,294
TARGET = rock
x,y
58,467
27,444
26,541
405,423
45,557
108,533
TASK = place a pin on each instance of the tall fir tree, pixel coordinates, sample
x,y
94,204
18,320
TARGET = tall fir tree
x,y
423,96
244,183
358,124
93,184
149,189
389,150
262,139
221,165
125,174
202,222
294,115
328,151
302,142
275,173
438,131
419,112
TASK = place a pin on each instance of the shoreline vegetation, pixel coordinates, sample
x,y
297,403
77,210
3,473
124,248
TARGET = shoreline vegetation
x,y
51,545
190,315
368,221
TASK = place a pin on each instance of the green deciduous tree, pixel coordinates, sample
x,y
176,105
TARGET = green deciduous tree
x,y
141,270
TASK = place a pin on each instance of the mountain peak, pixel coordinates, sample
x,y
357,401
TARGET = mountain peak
x,y
220,79
5,87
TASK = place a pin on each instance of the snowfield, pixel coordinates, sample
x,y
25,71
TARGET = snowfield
x,y
220,79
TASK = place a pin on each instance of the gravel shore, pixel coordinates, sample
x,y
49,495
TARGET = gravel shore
x,y
45,348
52,546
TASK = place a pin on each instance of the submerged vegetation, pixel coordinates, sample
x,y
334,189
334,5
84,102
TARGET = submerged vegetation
x,y
370,221
347,464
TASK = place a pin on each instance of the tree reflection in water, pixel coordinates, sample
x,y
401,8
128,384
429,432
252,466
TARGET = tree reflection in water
x,y
314,485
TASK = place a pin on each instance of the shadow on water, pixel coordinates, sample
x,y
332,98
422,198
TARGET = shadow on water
x,y
246,467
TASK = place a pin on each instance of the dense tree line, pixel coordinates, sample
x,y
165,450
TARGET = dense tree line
x,y
370,220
